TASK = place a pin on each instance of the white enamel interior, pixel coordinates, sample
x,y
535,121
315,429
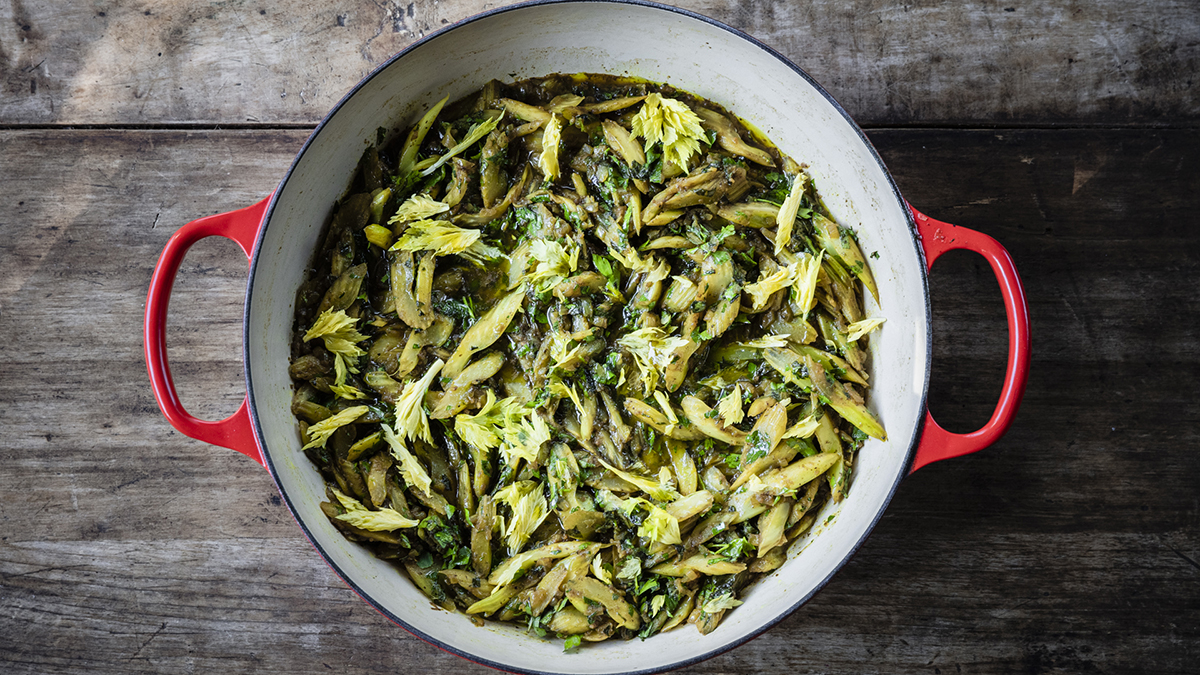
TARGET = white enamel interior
x,y
660,45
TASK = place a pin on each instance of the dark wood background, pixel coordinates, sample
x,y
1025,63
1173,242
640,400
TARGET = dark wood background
x,y
1068,130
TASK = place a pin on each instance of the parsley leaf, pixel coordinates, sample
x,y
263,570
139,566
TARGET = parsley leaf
x,y
734,550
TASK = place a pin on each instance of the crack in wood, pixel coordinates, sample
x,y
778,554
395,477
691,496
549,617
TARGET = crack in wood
x,y
1179,553
148,640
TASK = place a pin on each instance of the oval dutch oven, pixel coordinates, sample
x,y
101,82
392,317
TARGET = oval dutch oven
x,y
660,44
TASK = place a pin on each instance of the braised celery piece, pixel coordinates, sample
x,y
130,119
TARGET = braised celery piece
x,y
411,420
525,111
383,520
840,242
554,263
584,591
701,416
412,145
409,468
378,235
660,488
806,283
721,603
444,239
860,328
771,526
785,219
852,411
493,602
621,141
782,278
476,132
345,289
765,342
337,331
507,571
485,331
321,431
751,214
551,138
768,430
802,429
418,207
672,124
457,393
702,563
652,350
694,504
364,445
789,365
730,407
492,181
834,363
403,279
583,353
657,524
729,138
527,503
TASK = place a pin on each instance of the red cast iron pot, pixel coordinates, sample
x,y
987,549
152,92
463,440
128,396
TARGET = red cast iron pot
x,y
658,43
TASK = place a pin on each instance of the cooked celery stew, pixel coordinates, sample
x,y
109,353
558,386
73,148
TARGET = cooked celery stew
x,y
583,353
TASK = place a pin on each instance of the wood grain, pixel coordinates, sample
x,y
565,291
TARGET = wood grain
x,y
1070,546
980,62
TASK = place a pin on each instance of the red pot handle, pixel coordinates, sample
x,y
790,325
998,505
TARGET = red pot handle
x,y
234,432
938,237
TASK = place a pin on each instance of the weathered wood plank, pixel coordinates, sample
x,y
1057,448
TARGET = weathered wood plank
x,y
1070,546
978,62
268,605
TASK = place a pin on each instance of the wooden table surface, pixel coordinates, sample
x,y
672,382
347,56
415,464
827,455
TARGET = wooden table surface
x,y
1068,130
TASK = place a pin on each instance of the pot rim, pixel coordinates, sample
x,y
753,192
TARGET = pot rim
x,y
771,52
